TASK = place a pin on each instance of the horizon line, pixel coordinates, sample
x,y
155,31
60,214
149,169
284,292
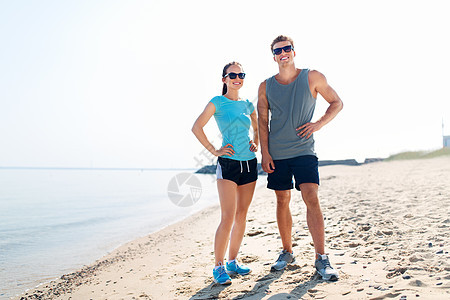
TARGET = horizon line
x,y
91,168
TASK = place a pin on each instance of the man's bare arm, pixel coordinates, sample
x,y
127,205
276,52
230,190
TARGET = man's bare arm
x,y
319,85
263,127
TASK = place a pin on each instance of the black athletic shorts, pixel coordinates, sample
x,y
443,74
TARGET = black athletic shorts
x,y
240,172
305,169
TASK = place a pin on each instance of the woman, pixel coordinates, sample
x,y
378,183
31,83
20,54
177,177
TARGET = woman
x,y
236,167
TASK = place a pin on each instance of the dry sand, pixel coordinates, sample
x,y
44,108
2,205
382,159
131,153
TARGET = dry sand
x,y
387,232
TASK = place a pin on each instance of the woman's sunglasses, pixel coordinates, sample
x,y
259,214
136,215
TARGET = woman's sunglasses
x,y
286,49
233,75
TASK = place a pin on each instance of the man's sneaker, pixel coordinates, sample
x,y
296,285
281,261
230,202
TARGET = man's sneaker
x,y
234,268
324,268
282,261
221,276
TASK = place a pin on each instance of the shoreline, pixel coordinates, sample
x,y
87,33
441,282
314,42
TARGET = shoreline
x,y
387,232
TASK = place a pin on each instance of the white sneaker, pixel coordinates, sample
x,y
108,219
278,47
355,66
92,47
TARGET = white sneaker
x,y
324,268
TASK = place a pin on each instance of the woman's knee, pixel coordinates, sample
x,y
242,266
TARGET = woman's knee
x,y
241,215
227,220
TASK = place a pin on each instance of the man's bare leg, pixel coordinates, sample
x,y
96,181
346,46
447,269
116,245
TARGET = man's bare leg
x,y
314,216
284,218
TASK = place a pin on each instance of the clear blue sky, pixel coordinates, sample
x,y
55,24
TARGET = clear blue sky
x,y
120,83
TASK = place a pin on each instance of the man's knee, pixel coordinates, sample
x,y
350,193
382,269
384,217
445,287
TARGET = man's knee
x,y
283,198
310,194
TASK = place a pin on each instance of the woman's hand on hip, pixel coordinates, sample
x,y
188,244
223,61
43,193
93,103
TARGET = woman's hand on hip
x,y
226,150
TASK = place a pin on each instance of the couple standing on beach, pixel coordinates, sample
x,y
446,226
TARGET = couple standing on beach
x,y
287,150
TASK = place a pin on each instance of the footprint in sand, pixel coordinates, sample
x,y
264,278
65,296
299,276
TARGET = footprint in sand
x,y
254,233
246,259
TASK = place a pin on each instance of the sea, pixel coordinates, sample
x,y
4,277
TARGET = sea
x,y
55,221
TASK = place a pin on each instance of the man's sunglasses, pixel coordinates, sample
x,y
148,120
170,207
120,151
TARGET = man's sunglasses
x,y
233,75
286,49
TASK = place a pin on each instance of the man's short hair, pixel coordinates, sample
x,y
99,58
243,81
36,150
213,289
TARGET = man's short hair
x,y
281,38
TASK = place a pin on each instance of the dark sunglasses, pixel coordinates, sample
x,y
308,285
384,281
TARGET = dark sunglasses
x,y
233,75
286,49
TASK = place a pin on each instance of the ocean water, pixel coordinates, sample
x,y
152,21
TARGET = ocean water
x,y
53,222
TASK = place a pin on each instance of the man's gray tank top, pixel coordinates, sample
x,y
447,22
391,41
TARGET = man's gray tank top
x,y
291,106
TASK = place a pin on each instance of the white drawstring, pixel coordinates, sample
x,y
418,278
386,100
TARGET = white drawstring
x,y
248,167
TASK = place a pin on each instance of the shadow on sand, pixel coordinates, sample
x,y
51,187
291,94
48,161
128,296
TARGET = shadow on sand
x,y
211,291
260,289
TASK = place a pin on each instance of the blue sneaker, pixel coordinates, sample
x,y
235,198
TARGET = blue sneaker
x,y
234,268
221,276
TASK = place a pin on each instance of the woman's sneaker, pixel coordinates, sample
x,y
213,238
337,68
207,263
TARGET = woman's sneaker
x,y
234,268
325,269
220,275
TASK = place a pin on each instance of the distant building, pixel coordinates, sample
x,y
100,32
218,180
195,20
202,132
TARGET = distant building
x,y
446,141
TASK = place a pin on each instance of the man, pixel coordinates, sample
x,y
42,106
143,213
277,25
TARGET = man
x,y
288,147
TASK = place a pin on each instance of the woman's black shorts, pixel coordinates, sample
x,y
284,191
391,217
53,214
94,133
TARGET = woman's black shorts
x,y
240,172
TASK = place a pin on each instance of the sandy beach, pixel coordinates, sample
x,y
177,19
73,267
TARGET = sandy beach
x,y
387,232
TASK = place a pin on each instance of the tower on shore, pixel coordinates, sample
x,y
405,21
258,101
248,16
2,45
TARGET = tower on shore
x,y
445,138
446,141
